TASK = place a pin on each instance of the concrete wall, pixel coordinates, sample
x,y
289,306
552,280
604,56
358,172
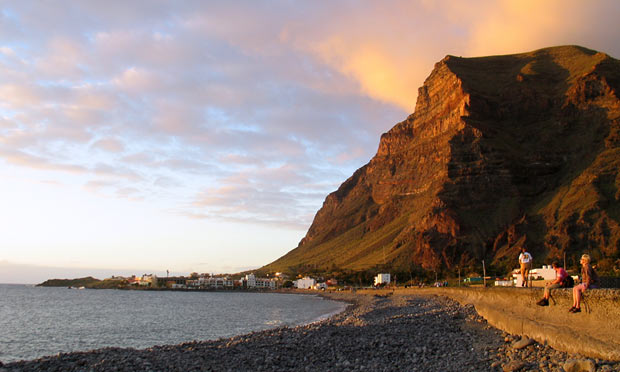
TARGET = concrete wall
x,y
595,332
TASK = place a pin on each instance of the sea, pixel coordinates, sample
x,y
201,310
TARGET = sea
x,y
43,321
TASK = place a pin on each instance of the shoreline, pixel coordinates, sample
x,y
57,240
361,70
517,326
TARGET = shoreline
x,y
64,321
414,332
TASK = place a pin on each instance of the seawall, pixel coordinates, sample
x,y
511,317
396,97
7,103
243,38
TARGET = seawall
x,y
595,332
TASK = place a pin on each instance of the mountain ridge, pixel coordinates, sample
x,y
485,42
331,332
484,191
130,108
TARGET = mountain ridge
x,y
500,152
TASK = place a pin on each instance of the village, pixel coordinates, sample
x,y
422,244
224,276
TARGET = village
x,y
195,281
210,282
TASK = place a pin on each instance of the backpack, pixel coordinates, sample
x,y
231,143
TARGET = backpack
x,y
568,282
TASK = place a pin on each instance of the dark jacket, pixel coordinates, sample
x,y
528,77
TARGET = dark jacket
x,y
588,276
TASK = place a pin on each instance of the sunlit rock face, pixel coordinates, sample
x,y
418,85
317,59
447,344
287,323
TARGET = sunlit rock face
x,y
500,152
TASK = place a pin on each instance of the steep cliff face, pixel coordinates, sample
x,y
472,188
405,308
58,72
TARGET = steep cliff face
x,y
500,152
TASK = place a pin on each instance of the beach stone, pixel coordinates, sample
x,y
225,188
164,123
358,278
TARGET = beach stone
x,y
522,343
378,334
513,366
580,365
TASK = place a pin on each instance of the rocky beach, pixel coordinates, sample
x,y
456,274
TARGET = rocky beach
x,y
386,332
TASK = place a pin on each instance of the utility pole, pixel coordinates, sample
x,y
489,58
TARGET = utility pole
x,y
564,260
484,275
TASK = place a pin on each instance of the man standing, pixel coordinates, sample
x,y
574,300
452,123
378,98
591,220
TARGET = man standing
x,y
525,261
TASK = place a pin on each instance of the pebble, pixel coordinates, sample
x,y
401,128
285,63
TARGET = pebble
x,y
522,343
400,332
582,365
514,366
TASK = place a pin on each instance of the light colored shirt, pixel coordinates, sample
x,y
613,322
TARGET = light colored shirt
x,y
525,257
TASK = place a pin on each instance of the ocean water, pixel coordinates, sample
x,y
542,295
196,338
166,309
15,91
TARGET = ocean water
x,y
37,321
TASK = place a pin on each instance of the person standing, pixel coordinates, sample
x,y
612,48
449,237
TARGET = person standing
x,y
561,279
525,261
589,279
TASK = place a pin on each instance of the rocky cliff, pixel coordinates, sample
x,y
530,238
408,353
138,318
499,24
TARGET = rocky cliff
x,y
501,152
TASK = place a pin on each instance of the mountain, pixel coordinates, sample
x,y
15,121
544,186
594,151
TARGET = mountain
x,y
501,152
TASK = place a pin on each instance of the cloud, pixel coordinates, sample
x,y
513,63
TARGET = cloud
x,y
282,195
166,182
129,193
18,96
389,48
63,59
6,123
32,161
98,185
242,112
510,26
137,80
110,145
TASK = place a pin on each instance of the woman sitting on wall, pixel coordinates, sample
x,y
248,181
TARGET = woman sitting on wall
x,y
589,279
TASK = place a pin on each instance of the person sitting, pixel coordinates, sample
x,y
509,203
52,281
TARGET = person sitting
x,y
589,279
561,279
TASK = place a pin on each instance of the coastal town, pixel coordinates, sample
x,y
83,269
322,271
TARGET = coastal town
x,y
537,277
211,282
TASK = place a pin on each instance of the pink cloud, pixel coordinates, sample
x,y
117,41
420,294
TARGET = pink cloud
x,y
110,144
63,59
32,161
18,96
137,80
98,185
257,106
6,123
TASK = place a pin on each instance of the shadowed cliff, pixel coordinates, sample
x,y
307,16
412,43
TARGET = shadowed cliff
x,y
501,152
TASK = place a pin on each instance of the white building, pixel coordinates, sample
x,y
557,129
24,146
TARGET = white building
x,y
546,273
216,283
265,283
382,278
250,280
148,280
305,283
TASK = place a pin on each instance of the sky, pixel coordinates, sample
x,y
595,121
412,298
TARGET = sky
x,y
202,136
